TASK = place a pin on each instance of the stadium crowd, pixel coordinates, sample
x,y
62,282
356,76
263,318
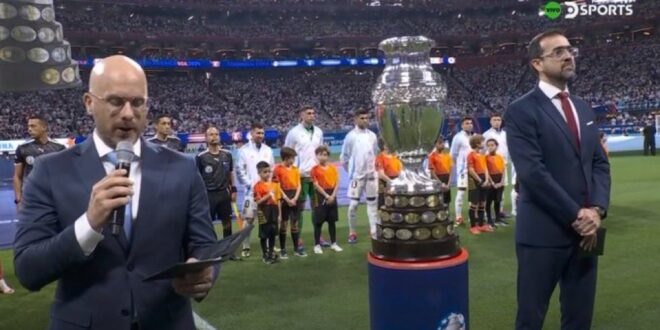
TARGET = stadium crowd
x,y
232,100
287,23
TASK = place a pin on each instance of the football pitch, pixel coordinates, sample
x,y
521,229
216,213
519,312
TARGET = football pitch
x,y
329,291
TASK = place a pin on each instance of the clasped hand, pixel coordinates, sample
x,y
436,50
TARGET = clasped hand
x,y
586,224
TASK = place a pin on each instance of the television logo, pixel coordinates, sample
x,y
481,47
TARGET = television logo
x,y
553,10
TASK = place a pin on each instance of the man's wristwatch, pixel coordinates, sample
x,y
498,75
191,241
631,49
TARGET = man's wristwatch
x,y
601,212
16,201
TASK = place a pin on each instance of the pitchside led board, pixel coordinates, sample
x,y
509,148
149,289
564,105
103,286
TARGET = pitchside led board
x,y
33,52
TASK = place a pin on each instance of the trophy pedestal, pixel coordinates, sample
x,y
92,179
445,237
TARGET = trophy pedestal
x,y
418,295
415,226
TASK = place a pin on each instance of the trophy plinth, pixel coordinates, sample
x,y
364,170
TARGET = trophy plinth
x,y
414,222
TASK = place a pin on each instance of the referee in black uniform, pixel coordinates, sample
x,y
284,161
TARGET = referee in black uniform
x,y
26,153
164,135
216,166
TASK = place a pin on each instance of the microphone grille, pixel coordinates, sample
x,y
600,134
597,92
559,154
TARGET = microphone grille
x,y
124,151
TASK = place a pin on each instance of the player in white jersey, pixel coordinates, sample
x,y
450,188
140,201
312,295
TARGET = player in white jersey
x,y
460,148
304,138
253,152
496,133
358,156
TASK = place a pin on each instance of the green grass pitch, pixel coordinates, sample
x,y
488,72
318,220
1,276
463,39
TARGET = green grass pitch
x,y
330,291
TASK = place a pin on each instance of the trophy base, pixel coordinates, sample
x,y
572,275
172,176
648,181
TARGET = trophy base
x,y
415,225
416,251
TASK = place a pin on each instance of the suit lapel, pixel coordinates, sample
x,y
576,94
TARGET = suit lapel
x,y
91,170
556,117
153,167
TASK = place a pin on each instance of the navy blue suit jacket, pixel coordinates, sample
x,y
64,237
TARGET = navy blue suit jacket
x,y
94,292
556,178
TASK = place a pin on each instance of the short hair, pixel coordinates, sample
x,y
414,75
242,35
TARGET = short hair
x,y
361,111
534,49
287,153
466,118
262,166
161,116
476,141
322,149
440,139
40,118
381,143
256,124
495,115
305,108
494,141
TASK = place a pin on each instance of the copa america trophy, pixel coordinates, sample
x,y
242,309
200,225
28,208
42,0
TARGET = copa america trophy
x,y
414,223
33,52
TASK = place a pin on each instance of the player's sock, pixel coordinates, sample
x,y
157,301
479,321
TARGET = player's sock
x,y
317,233
473,216
458,203
271,246
295,237
352,215
372,214
333,231
283,240
226,232
481,215
514,199
264,247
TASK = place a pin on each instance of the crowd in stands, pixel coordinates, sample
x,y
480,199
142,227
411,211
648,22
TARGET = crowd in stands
x,y
289,23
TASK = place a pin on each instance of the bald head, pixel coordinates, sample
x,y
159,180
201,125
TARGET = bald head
x,y
113,69
117,99
212,136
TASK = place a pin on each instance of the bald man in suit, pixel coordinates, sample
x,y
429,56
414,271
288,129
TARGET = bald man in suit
x,y
64,234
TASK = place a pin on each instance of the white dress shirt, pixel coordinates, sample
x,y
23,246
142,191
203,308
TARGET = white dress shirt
x,y
87,237
551,92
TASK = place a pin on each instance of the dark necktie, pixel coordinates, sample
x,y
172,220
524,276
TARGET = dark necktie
x,y
570,119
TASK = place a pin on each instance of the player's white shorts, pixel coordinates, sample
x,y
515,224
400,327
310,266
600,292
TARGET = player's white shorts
x,y
368,185
462,180
249,206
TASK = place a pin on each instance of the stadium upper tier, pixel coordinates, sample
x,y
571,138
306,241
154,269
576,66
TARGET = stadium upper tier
x,y
620,76
137,25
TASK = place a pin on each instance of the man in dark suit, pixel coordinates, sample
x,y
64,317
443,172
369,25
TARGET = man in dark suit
x,y
64,234
649,138
564,189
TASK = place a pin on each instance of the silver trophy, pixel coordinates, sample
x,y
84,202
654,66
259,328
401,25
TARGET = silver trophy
x,y
409,101
33,53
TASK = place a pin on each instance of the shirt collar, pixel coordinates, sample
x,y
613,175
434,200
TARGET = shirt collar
x,y
104,150
549,90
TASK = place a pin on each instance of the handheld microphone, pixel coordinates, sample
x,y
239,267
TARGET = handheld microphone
x,y
124,152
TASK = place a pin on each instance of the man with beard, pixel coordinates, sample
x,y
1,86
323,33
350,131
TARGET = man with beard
x,y
249,155
164,135
564,184
459,150
28,152
358,157
499,135
304,138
